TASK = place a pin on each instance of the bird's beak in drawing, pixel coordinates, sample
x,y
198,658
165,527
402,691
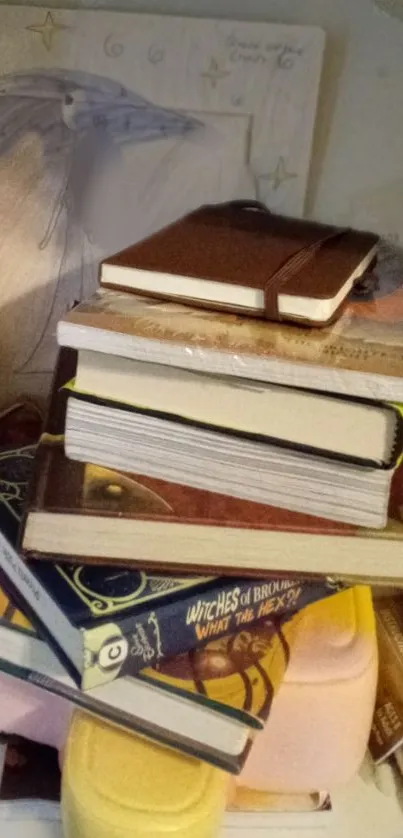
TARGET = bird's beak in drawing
x,y
205,136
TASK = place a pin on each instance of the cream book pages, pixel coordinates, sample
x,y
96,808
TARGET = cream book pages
x,y
325,423
112,125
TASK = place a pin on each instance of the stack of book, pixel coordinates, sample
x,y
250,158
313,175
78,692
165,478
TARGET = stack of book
x,y
192,662
253,446
208,653
203,475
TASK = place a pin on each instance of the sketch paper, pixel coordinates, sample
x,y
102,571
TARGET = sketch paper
x,y
112,125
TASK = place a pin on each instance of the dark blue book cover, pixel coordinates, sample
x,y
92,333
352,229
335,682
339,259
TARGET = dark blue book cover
x,y
16,467
92,594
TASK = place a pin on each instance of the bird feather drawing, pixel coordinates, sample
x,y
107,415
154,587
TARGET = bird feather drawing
x,y
65,198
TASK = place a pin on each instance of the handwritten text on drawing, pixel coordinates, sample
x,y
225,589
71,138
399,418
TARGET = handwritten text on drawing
x,y
256,51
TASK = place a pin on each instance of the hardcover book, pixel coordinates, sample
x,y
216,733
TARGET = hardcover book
x,y
361,354
88,513
278,473
210,700
387,728
112,622
207,704
362,432
241,257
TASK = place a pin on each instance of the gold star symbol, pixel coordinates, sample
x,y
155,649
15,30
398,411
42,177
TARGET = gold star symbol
x,y
279,175
215,73
47,30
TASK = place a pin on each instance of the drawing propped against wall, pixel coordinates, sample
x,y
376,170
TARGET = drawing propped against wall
x,y
113,125
75,202
81,121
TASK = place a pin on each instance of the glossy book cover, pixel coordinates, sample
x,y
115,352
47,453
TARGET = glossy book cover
x,y
368,338
242,671
122,642
235,677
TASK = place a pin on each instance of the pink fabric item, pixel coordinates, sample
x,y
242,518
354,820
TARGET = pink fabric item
x,y
318,729
33,713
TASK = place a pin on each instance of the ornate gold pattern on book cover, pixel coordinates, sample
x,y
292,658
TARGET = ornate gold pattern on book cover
x,y
120,589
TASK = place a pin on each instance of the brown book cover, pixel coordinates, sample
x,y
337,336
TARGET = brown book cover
x,y
367,339
66,487
387,726
244,244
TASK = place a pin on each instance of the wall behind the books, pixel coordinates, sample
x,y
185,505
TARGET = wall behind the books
x,y
357,170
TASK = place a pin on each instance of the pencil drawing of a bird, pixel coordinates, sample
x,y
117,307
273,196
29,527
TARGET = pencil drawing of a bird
x,y
62,137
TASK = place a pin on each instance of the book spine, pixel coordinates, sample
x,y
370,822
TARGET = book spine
x,y
175,628
52,435
128,721
40,604
387,726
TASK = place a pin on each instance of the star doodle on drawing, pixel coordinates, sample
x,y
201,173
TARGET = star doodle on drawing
x,y
47,30
215,73
279,176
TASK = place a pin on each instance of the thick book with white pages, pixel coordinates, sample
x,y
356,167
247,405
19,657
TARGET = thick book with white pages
x,y
119,437
88,513
96,513
364,432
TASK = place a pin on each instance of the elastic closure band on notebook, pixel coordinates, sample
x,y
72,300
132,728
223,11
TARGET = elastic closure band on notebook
x,y
295,263
292,266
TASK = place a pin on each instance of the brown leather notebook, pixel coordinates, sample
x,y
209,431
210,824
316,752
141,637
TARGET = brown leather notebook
x,y
241,257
